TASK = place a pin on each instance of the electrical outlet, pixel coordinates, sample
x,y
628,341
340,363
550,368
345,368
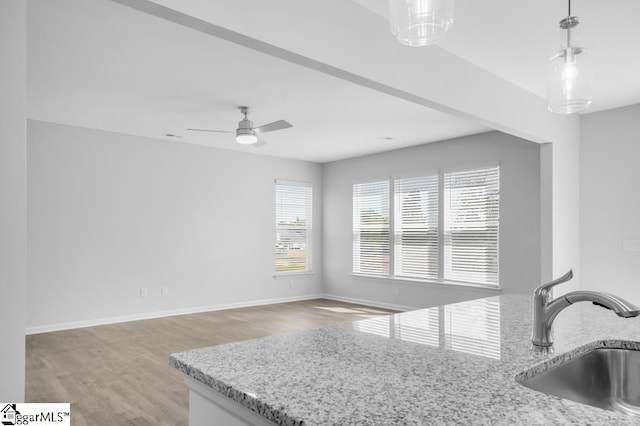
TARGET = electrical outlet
x,y
144,292
292,284
164,291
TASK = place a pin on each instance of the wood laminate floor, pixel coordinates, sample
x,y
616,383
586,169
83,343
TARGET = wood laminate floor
x,y
119,374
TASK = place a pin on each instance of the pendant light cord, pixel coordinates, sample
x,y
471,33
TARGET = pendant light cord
x,y
568,31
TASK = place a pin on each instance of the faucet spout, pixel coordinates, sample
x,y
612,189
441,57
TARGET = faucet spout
x,y
545,309
619,306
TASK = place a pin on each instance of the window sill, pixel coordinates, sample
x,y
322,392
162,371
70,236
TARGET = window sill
x,y
291,274
419,282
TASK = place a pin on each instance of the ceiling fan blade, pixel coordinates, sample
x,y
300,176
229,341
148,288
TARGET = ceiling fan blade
x,y
276,125
208,130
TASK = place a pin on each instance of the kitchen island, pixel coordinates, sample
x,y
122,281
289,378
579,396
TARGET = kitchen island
x,y
453,364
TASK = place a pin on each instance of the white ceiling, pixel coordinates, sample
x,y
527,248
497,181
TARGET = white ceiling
x,y
98,64
514,39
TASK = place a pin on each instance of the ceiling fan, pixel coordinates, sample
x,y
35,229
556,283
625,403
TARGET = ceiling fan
x,y
246,134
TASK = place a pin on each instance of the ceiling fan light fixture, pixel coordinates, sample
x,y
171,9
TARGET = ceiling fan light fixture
x,y
420,22
570,78
246,136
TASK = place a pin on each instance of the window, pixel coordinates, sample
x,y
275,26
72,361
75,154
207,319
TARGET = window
x,y
416,227
443,227
471,215
371,228
293,227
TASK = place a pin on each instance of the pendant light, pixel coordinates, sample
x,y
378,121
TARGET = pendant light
x,y
569,80
420,22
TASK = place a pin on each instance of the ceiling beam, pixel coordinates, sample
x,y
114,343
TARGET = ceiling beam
x,y
343,40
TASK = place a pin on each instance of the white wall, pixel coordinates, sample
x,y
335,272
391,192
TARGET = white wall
x,y
610,201
369,57
546,212
110,213
565,204
519,210
13,194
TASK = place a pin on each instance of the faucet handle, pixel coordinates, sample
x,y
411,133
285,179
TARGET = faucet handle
x,y
544,289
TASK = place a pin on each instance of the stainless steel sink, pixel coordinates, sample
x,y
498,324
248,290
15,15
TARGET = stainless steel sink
x,y
605,378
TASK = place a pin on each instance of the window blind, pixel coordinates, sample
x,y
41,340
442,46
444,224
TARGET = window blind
x,y
293,227
416,227
371,239
471,223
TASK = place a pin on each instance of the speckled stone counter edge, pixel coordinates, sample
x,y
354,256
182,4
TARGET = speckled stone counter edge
x,y
279,417
265,410
568,356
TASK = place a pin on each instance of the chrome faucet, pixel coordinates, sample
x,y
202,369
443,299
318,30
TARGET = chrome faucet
x,y
545,309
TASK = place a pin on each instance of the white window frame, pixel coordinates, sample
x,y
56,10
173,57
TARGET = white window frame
x,y
356,232
308,209
441,280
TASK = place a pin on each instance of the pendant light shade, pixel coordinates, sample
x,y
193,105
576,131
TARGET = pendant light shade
x,y
420,22
570,75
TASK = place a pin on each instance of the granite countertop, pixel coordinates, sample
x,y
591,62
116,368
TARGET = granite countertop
x,y
454,364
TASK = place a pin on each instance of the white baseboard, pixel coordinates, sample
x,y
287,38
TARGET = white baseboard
x,y
162,314
373,303
219,307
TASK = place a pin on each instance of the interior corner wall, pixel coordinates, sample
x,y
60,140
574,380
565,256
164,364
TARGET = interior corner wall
x,y
610,202
565,204
110,214
13,193
546,212
520,239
